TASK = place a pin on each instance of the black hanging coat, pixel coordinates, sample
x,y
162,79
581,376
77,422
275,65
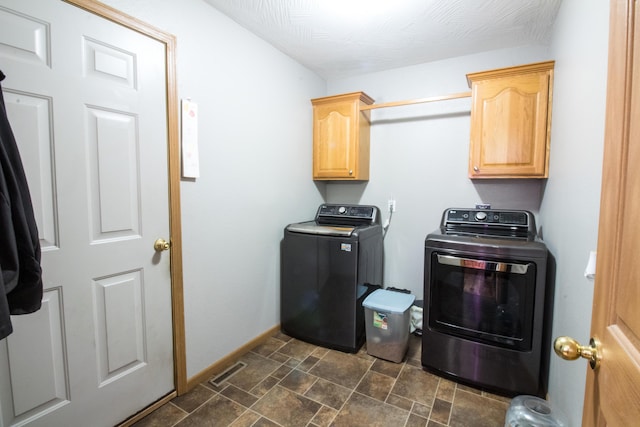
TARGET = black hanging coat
x,y
21,275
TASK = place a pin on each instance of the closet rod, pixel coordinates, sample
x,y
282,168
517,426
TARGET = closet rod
x,y
416,101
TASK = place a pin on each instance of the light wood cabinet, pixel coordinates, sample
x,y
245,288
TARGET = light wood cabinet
x,y
511,121
341,137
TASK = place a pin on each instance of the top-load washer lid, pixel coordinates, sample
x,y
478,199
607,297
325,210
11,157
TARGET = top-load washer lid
x,y
338,220
312,227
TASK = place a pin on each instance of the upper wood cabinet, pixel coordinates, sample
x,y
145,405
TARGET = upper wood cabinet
x,y
341,137
511,121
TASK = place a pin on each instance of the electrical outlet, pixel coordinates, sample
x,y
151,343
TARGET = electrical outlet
x,y
392,205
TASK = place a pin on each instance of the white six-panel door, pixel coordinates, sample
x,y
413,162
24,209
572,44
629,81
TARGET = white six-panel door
x,y
87,102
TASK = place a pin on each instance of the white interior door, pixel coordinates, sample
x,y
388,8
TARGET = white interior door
x,y
87,102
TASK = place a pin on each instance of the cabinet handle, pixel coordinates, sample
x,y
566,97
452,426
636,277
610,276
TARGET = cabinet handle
x,y
350,172
476,169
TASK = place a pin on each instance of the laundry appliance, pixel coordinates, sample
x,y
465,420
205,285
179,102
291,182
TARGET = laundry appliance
x,y
488,301
329,266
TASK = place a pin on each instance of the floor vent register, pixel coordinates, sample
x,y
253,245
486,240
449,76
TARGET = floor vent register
x,y
219,379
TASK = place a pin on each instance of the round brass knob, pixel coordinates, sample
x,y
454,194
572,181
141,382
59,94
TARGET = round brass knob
x,y
570,349
161,245
476,169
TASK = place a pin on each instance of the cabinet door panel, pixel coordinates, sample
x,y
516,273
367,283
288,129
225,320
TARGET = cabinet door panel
x,y
510,126
341,137
514,114
335,127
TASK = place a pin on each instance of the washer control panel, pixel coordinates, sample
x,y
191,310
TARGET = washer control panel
x,y
365,214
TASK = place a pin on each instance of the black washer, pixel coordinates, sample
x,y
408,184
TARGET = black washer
x,y
329,266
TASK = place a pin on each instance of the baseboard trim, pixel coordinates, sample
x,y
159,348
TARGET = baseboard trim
x,y
229,359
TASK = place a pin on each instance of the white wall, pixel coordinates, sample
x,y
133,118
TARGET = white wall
x,y
569,212
419,156
255,145
255,163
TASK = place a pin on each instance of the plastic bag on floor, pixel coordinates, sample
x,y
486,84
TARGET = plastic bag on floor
x,y
415,313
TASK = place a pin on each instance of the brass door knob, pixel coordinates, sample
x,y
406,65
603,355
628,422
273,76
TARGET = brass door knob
x,y
570,349
161,245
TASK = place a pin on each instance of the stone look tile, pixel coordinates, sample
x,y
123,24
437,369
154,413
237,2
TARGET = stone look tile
x,y
258,368
471,408
191,400
341,368
279,357
324,417
282,337
328,393
441,411
308,363
297,349
421,410
266,385
415,348
320,352
239,396
375,385
400,402
246,420
496,397
416,421
362,354
361,410
298,381
218,411
286,407
287,382
416,363
387,368
270,346
416,384
263,422
446,390
292,363
282,372
468,389
167,414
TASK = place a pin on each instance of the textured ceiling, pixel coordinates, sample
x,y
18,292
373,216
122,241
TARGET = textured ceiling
x,y
338,38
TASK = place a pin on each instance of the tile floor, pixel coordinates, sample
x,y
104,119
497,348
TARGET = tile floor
x,y
287,382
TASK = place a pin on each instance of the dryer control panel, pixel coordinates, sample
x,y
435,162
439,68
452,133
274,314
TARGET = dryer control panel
x,y
489,222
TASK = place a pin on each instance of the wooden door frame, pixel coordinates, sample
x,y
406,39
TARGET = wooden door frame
x,y
616,141
173,143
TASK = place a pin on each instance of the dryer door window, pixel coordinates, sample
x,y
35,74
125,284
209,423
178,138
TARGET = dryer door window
x,y
487,300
